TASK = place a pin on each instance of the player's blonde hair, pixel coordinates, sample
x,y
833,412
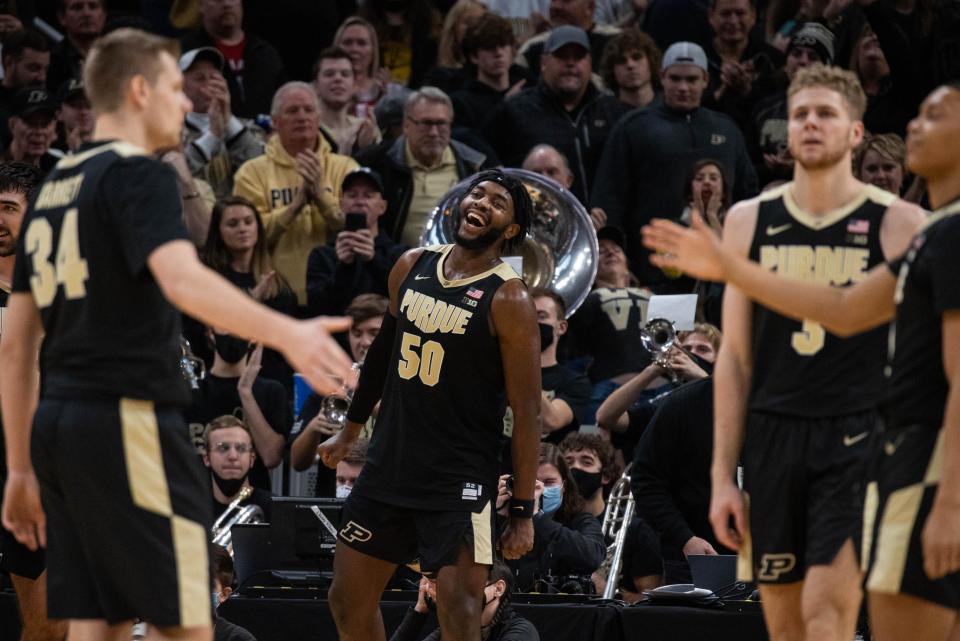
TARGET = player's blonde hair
x,y
117,58
835,79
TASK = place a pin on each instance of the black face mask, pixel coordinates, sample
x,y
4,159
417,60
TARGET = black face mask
x,y
707,366
587,482
230,348
546,336
229,487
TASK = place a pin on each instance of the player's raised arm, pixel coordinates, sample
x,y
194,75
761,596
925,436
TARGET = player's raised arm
x,y
697,251
515,323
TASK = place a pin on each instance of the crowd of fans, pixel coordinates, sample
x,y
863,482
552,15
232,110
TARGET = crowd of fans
x,y
322,135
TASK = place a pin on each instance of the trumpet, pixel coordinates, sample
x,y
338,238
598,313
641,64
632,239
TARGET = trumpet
x,y
233,515
334,407
192,368
659,336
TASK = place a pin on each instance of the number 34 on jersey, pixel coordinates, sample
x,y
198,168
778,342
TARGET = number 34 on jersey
x,y
51,269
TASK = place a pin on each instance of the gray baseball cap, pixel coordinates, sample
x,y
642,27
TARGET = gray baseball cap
x,y
684,53
202,53
566,35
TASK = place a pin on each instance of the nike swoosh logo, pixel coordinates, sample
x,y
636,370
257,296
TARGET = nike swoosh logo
x,y
421,278
773,231
853,440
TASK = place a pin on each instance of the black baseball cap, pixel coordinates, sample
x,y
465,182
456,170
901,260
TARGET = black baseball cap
x,y
615,234
362,173
31,100
70,89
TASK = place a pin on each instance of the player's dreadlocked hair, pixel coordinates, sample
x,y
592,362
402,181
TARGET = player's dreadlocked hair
x,y
522,205
21,178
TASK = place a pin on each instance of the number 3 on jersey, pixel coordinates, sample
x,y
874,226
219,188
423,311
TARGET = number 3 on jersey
x,y
426,364
69,267
809,340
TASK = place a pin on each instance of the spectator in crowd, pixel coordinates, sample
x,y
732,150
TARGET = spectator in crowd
x,y
607,326
196,197
707,191
253,68
223,585
498,620
215,141
620,13
449,75
881,161
357,260
333,80
74,117
420,166
629,67
33,126
627,410
26,58
572,13
295,185
565,394
742,67
359,39
593,465
646,159
564,110
766,131
311,429
82,22
891,96
670,477
230,456
233,386
547,161
236,248
488,49
567,540
349,468
408,31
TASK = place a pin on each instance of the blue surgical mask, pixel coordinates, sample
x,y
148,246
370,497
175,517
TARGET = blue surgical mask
x,y
215,597
552,496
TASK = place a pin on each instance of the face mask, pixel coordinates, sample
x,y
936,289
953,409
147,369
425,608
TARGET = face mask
x,y
230,348
546,336
229,487
215,597
705,365
343,491
587,482
550,501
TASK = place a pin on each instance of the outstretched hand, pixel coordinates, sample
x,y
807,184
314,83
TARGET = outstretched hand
x,y
694,250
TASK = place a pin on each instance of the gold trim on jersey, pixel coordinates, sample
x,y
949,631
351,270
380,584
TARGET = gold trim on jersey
x,y
869,192
123,149
147,480
482,541
951,209
503,270
897,525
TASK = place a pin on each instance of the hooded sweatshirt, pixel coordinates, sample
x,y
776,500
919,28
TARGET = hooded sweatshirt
x,y
270,182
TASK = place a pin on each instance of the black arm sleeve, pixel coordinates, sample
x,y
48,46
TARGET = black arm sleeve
x,y
374,372
409,628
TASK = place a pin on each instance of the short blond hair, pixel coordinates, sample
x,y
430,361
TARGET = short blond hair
x,y
222,423
710,332
835,79
117,58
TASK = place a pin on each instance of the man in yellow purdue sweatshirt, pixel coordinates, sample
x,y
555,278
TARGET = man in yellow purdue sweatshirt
x,y
295,185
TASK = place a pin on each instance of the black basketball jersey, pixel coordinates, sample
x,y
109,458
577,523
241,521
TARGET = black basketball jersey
x,y
440,428
607,327
82,254
928,285
800,369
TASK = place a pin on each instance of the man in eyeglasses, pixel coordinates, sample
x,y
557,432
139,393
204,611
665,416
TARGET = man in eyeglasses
x,y
229,456
420,166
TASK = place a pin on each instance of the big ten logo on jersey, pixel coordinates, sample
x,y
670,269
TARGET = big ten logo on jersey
x,y
836,266
618,304
58,193
774,566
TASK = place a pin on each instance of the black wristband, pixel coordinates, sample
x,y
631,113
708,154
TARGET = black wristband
x,y
520,509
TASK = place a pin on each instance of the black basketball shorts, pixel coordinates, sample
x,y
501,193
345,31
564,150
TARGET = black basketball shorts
x,y
804,479
404,535
904,480
128,518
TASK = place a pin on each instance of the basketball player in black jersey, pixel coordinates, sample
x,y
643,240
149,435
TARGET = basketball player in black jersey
x,y
27,568
797,399
460,342
102,250
911,531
